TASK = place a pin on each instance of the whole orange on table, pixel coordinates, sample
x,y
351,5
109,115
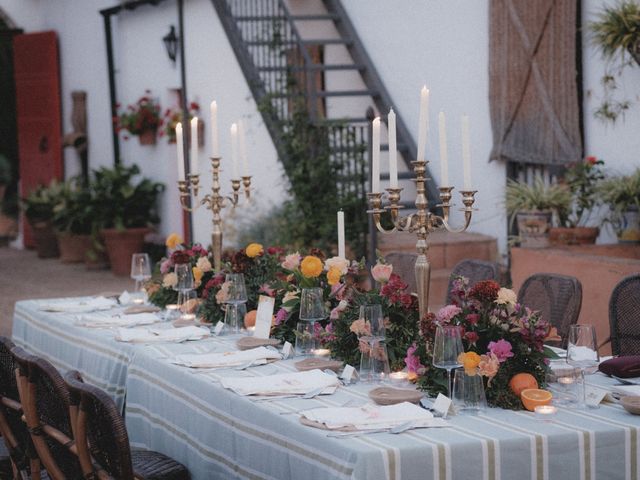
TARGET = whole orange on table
x,y
522,381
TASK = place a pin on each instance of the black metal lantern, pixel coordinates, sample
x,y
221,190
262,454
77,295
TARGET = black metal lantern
x,y
171,43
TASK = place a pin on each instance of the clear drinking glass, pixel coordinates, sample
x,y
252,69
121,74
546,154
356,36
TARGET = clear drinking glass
x,y
236,296
468,392
582,353
140,272
371,331
185,277
305,338
312,307
447,346
187,305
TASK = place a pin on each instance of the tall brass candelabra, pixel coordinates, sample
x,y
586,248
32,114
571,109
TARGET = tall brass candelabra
x,y
214,201
422,223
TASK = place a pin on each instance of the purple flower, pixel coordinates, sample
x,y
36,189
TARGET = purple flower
x,y
446,313
165,266
412,361
281,316
501,349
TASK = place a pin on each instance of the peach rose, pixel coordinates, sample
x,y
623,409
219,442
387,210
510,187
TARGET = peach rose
x,y
506,296
204,264
470,362
291,261
340,263
381,272
488,365
170,280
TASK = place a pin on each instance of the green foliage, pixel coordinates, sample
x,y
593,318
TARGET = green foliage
x,y
538,196
582,178
161,297
122,204
621,193
74,211
39,204
141,116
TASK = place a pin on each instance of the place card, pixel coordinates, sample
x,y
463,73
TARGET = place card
x,y
594,395
263,317
442,405
347,373
286,350
218,328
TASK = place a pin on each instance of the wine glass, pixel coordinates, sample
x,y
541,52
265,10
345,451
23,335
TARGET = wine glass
x,y
140,272
312,309
371,334
184,277
236,296
447,346
582,353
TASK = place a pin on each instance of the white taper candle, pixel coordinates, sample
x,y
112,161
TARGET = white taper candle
x,y
423,123
393,150
466,153
194,146
341,253
234,150
180,148
242,143
215,146
375,156
444,159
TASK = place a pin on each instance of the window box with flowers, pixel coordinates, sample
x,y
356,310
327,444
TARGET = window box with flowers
x,y
141,119
172,116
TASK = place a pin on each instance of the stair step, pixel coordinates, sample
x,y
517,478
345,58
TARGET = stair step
x,y
318,41
337,93
328,41
315,66
296,18
325,16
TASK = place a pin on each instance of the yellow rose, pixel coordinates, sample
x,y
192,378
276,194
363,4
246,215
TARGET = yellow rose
x,y
311,266
470,362
253,250
173,241
333,275
197,276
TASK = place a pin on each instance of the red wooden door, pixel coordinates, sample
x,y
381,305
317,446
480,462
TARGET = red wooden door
x,y
37,78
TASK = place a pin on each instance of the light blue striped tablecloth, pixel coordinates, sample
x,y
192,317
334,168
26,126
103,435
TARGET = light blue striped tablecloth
x,y
219,434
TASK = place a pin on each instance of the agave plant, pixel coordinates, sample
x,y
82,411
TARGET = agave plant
x,y
536,197
617,30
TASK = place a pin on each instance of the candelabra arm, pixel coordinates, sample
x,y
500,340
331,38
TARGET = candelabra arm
x,y
375,203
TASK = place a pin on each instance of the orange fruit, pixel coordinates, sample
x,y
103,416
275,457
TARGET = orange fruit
x,y
522,381
534,397
250,318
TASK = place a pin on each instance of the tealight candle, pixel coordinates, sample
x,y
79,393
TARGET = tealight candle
x,y
399,377
566,381
251,329
172,307
138,301
188,317
321,352
545,412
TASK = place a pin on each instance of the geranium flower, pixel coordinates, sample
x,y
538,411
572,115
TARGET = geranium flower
x,y
501,349
381,272
173,241
447,313
204,264
506,296
291,261
254,250
340,263
170,280
311,266
333,276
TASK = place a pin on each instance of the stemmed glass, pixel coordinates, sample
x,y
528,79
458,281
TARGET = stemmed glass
x,y
236,296
312,310
140,272
371,337
582,353
447,346
184,283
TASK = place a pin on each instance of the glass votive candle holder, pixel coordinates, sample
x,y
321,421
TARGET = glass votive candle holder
x,y
546,413
321,352
399,378
171,311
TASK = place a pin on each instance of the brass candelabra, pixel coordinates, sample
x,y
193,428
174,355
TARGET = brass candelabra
x,y
214,201
422,223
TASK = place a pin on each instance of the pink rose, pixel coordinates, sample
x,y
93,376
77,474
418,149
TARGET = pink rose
x,y
381,272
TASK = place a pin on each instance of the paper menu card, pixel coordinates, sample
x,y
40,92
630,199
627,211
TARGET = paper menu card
x,y
263,317
258,356
297,383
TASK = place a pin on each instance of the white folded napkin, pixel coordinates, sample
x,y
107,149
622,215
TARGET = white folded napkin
x,y
297,383
259,356
174,335
626,390
578,353
98,320
79,306
372,416
125,298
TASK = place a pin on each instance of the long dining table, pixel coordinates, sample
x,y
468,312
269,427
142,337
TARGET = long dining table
x,y
216,433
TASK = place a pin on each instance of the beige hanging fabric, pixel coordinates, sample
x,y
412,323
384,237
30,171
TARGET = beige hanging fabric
x,y
533,91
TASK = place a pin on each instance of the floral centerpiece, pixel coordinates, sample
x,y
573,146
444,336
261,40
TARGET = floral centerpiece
x,y
501,339
173,116
141,118
400,309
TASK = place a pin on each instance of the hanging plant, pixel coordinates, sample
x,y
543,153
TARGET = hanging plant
x,y
173,116
141,119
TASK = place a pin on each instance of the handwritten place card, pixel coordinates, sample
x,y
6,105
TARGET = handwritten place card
x,y
263,317
286,350
442,405
594,395
347,373
218,328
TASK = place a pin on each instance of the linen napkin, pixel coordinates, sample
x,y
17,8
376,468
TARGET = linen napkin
x,y
370,416
173,335
79,306
259,356
297,383
97,320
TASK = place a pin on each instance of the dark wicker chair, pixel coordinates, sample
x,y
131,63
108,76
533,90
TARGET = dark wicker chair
x,y
557,297
404,266
624,320
45,400
475,271
103,443
20,453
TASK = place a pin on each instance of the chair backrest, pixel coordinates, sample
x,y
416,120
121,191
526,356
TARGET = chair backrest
x,y
14,431
45,400
624,316
557,297
474,271
101,434
404,266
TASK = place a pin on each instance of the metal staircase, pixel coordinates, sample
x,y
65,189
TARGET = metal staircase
x,y
286,66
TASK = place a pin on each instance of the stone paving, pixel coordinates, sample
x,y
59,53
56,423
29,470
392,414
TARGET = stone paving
x,y
23,275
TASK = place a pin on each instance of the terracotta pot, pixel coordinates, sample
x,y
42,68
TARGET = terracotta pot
x,y
533,229
121,245
573,236
148,137
45,239
73,248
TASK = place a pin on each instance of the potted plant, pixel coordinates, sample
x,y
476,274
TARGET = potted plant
x,y
173,116
141,119
532,205
73,219
616,32
622,194
582,179
125,210
38,209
